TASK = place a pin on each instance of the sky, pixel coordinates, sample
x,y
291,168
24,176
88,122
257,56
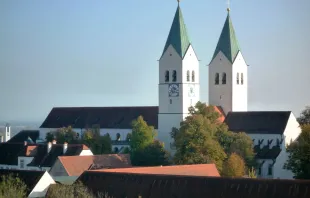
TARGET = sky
x,y
104,53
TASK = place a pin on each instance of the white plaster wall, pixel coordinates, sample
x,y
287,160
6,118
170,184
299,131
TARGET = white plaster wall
x,y
86,152
27,160
6,166
239,91
42,186
292,130
221,94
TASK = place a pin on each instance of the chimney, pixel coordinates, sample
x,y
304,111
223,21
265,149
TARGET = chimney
x,y
54,141
65,147
7,135
25,143
49,147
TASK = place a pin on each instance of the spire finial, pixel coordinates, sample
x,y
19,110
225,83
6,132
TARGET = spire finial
x,y
178,1
228,5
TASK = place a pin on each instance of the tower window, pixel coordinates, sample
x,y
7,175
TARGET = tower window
x,y
187,76
174,76
224,78
270,170
241,78
237,78
167,76
193,76
217,78
170,101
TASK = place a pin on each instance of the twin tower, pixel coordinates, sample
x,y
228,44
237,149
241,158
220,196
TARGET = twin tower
x,y
179,86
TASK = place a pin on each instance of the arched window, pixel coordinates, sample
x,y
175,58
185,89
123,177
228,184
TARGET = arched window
x,y
118,137
187,76
174,76
115,150
237,78
241,78
167,76
217,78
193,76
223,78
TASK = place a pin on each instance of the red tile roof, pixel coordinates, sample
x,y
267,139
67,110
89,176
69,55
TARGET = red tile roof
x,y
221,112
191,170
76,165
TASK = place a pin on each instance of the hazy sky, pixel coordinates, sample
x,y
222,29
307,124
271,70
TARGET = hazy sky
x,y
104,53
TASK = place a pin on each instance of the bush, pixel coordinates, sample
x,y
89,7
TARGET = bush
x,y
12,186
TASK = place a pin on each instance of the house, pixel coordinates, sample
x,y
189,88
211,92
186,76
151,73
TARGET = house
x,y
37,182
271,132
24,156
76,165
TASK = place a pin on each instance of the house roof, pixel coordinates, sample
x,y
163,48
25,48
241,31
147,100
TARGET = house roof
x,y
25,135
29,177
106,117
227,43
193,170
93,162
178,37
219,109
258,122
9,153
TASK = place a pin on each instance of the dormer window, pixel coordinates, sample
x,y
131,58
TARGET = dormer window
x,y
237,78
224,78
167,76
187,76
217,78
174,76
241,78
193,76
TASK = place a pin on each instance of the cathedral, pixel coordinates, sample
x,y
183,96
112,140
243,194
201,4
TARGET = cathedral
x,y
179,88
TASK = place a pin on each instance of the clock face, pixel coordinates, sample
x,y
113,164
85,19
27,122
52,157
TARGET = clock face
x,y
173,90
191,91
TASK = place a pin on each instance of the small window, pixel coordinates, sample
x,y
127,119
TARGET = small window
x,y
237,78
174,76
170,101
224,78
116,150
270,170
22,163
241,78
217,78
259,171
193,76
167,76
187,76
118,137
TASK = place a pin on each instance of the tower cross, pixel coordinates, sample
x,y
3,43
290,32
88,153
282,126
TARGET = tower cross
x,y
228,5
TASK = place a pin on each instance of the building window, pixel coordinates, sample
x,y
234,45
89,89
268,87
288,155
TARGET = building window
x,y
118,137
174,76
187,76
193,76
241,78
224,78
22,163
270,170
217,78
167,76
259,171
237,78
115,150
170,101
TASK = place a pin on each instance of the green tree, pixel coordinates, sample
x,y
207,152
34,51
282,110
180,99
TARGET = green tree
x,y
12,186
76,190
304,117
252,173
62,135
97,144
234,166
299,155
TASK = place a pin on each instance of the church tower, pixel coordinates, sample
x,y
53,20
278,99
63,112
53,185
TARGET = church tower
x,y
228,72
178,87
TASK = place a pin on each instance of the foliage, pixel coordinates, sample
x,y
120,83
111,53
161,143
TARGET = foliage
x,y
98,144
153,154
12,186
62,135
144,151
234,166
252,173
142,134
304,116
203,138
299,155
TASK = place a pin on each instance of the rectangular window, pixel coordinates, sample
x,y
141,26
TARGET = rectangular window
x,y
270,170
237,78
259,171
22,163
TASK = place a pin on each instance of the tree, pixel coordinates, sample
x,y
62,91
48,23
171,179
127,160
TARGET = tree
x,y
252,173
98,144
234,166
144,150
12,186
304,116
299,155
62,135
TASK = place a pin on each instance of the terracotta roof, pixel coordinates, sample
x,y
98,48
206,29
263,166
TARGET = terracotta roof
x,y
154,186
30,178
93,162
106,117
194,170
260,122
219,109
31,150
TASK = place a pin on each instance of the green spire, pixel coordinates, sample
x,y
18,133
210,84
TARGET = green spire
x,y
178,36
227,43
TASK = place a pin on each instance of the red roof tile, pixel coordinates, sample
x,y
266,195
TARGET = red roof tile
x,y
221,112
191,170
